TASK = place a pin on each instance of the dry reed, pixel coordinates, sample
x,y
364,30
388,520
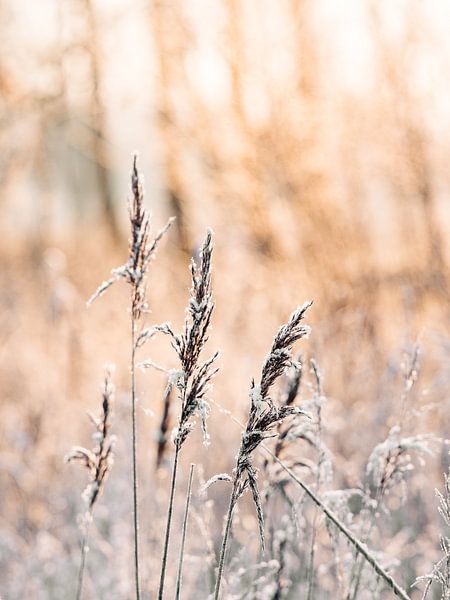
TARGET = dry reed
x,y
193,379
183,534
263,416
142,249
98,462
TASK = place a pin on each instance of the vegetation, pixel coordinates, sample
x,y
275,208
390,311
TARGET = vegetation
x,y
388,467
302,150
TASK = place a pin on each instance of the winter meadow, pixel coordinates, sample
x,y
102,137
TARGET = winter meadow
x,y
225,287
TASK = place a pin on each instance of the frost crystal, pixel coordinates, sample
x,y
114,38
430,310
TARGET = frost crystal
x,y
256,399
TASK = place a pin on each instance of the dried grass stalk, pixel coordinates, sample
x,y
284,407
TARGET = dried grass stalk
x,y
142,249
263,417
98,462
440,574
184,531
193,379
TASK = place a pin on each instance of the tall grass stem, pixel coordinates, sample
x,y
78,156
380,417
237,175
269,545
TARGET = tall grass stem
x,y
226,535
169,523
134,452
84,551
183,535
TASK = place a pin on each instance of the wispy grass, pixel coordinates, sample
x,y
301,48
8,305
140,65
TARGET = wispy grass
x,y
98,462
193,378
268,417
263,416
440,574
358,545
142,249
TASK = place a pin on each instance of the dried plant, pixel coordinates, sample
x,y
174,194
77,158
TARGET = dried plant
x,y
142,249
308,431
263,417
318,399
440,574
388,466
183,535
193,379
360,547
98,462
274,479
333,518
292,386
267,418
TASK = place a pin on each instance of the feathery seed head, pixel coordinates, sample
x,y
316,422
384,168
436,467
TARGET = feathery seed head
x,y
99,460
193,380
141,250
264,415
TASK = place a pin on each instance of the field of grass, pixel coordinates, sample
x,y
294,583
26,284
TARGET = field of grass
x,y
313,471
255,402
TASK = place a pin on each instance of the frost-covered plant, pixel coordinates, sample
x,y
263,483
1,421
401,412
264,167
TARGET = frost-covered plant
x,y
141,251
276,481
282,538
255,581
391,462
312,454
308,431
192,379
440,574
98,462
262,420
388,467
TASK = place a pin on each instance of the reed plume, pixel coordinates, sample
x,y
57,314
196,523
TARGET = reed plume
x,y
142,249
98,462
263,417
193,378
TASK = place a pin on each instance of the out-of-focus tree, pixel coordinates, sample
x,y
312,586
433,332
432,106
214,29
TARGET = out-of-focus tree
x,y
403,102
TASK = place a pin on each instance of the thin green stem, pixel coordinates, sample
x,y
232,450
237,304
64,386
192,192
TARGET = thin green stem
x,y
84,551
183,536
225,541
135,443
169,523
361,548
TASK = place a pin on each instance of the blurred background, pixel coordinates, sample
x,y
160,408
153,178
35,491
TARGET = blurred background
x,y
313,137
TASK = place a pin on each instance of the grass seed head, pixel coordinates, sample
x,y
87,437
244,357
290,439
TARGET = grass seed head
x,y
99,460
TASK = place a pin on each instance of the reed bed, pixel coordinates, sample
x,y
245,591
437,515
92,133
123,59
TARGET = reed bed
x,y
311,532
